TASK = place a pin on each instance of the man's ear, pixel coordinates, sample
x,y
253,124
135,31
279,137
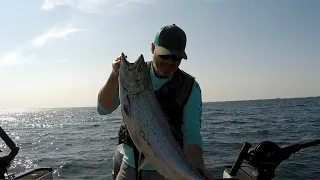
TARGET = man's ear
x,y
152,48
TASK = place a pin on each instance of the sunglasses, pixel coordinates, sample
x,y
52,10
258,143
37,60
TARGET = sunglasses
x,y
173,57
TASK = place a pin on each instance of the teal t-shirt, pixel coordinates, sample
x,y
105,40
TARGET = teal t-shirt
x,y
191,118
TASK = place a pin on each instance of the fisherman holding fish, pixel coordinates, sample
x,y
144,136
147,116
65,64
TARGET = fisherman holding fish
x,y
179,96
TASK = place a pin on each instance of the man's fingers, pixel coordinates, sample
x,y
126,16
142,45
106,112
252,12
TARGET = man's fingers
x,y
116,64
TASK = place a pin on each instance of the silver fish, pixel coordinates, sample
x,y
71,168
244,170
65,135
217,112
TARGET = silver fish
x,y
147,124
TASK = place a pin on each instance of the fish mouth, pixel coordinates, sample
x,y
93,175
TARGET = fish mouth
x,y
133,78
132,65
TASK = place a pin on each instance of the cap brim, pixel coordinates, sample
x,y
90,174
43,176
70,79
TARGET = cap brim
x,y
180,54
163,51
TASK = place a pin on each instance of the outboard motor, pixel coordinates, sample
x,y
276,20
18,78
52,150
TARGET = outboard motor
x,y
262,160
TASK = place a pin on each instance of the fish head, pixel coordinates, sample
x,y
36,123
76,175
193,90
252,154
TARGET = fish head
x,y
133,76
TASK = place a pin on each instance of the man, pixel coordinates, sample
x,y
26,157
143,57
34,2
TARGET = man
x,y
178,94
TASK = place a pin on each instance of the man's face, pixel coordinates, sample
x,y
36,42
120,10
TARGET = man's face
x,y
165,65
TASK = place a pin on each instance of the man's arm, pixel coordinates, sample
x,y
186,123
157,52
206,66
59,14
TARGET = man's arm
x,y
108,97
192,113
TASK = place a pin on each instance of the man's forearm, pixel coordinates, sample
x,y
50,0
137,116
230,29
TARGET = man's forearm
x,y
195,155
108,93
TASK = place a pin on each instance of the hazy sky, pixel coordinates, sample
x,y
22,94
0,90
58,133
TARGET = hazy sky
x,y
58,53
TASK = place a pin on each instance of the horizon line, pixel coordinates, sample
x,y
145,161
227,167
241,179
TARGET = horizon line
x,y
204,102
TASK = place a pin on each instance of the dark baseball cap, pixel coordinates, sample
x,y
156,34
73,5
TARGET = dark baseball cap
x,y
171,40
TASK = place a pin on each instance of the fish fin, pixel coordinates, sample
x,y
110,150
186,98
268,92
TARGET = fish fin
x,y
203,176
175,133
126,107
142,161
126,110
139,162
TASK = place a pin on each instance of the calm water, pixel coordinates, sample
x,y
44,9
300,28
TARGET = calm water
x,y
79,144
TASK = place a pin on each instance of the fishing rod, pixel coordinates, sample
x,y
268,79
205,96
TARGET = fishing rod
x,y
264,159
5,161
4,136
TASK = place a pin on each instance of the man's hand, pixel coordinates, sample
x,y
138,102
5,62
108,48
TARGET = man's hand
x,y
207,173
116,65
195,156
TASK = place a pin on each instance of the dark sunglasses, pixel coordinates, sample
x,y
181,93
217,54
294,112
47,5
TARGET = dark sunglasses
x,y
173,57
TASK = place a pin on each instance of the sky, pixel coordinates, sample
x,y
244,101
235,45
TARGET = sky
x,y
58,53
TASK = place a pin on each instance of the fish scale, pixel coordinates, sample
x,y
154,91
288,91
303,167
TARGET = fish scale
x,y
142,113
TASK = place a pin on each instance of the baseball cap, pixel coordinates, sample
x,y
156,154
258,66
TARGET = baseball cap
x,y
171,40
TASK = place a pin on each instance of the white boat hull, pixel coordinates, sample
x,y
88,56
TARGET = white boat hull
x,y
42,173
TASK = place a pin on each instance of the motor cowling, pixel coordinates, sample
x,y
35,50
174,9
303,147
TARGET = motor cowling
x,y
265,157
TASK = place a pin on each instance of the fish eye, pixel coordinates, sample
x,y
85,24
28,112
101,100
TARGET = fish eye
x,y
139,68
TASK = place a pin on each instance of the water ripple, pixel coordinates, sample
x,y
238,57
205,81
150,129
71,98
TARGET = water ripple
x,y
79,144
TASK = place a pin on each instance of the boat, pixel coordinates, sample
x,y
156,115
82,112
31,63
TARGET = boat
x,y
39,173
252,163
